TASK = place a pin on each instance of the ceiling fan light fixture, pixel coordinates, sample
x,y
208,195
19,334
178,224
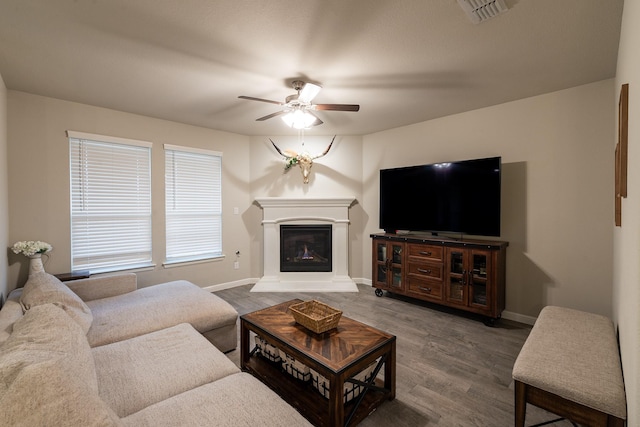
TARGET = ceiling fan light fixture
x,y
297,109
299,119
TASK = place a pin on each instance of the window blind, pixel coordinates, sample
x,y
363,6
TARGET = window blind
x,y
193,197
110,203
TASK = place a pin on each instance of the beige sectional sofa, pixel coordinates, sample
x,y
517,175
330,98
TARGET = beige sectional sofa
x,y
114,360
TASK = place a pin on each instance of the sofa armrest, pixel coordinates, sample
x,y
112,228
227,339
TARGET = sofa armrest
x,y
103,286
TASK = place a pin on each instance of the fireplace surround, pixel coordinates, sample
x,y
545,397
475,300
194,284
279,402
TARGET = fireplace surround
x,y
280,213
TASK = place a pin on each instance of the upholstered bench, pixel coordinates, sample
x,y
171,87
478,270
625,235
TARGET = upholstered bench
x,y
570,365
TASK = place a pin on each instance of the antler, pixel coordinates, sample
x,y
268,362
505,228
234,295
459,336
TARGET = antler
x,y
278,150
324,153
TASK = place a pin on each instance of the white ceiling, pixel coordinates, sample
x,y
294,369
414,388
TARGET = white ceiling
x,y
403,61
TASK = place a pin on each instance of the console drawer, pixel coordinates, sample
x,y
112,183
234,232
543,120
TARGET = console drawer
x,y
425,252
424,288
425,271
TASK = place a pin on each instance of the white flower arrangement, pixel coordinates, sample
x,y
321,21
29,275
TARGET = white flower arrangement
x,y
31,247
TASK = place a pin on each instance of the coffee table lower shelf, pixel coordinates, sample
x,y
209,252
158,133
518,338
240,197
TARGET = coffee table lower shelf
x,y
306,399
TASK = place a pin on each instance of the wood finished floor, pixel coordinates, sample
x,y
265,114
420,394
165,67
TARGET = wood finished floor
x,y
452,370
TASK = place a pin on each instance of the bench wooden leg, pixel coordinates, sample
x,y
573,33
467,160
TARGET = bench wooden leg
x,y
520,403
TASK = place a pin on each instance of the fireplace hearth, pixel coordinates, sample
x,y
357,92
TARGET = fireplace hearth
x,y
305,248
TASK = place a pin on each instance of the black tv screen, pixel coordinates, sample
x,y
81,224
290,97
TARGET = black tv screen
x,y
457,197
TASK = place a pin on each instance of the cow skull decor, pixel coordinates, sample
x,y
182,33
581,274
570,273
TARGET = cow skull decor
x,y
304,159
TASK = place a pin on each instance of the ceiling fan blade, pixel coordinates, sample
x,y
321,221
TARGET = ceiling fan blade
x,y
337,107
251,98
318,121
308,92
269,116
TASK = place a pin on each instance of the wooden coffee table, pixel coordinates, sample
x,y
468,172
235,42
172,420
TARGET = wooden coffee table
x,y
338,355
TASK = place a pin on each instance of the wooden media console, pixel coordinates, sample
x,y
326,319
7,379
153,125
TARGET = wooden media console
x,y
464,274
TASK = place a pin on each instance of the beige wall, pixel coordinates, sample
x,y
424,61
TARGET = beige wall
x,y
39,183
626,277
4,200
557,203
338,174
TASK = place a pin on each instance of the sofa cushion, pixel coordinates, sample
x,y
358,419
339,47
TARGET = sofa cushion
x,y
10,313
43,288
141,371
47,375
157,307
235,400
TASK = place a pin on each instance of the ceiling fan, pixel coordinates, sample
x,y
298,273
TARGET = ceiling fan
x,y
298,110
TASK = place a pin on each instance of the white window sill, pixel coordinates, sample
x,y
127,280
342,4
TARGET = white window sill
x,y
136,269
172,264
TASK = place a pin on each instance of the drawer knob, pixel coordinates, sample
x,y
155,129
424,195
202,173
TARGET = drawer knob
x,y
425,289
422,270
425,253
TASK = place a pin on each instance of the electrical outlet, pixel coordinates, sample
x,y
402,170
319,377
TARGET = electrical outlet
x,y
236,265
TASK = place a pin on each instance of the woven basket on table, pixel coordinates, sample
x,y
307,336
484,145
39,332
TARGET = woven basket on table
x,y
316,316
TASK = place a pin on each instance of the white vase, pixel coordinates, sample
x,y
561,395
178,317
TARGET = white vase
x,y
35,264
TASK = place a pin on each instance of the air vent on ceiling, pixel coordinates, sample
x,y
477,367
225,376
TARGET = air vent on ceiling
x,y
482,10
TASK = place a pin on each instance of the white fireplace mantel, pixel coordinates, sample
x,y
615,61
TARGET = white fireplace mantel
x,y
277,211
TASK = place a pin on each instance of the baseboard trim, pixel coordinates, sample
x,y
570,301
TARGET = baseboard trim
x,y
229,285
517,317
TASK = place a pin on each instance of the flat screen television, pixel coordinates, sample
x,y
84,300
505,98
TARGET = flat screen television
x,y
457,197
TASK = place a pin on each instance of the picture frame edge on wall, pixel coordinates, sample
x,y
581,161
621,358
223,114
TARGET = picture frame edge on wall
x,y
617,197
621,153
623,136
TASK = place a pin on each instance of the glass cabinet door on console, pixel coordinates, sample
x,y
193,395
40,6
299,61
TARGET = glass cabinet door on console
x,y
467,277
478,282
387,265
455,289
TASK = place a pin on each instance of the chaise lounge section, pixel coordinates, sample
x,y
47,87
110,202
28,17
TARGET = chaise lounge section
x,y
118,310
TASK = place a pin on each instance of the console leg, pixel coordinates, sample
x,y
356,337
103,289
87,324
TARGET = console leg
x,y
490,321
